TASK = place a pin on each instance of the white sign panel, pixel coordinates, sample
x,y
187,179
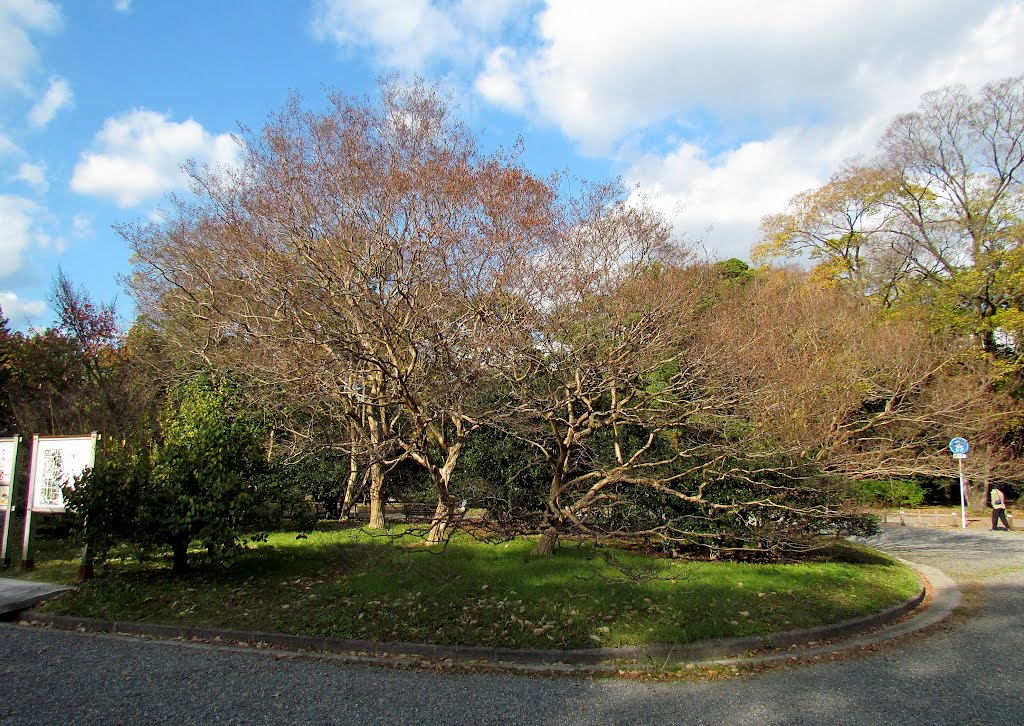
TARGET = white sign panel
x,y
55,463
7,454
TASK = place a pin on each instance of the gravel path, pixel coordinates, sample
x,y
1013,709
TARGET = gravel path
x,y
970,672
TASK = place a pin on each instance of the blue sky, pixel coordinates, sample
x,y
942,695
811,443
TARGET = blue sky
x,y
719,111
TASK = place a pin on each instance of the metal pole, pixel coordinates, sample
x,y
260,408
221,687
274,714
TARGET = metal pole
x,y
963,496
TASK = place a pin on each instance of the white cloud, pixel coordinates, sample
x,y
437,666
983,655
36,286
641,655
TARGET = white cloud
x,y
18,53
20,312
34,175
747,103
57,96
81,226
600,73
407,33
728,193
7,146
19,232
123,6
498,83
412,35
491,15
137,157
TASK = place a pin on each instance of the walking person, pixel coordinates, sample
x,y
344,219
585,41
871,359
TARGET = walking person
x,y
998,509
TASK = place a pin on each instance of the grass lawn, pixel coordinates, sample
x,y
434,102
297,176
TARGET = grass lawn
x,y
350,584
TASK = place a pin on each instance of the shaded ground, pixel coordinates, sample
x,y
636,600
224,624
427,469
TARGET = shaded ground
x,y
970,672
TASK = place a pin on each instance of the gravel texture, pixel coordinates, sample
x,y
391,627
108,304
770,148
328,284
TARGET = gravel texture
x,y
969,671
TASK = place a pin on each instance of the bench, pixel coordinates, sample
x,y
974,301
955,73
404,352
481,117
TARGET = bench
x,y
427,510
417,510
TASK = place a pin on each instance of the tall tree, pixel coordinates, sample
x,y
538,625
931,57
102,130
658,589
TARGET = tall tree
x,y
353,258
936,218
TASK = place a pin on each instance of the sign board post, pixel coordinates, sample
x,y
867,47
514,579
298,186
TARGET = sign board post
x,y
8,467
28,561
960,447
56,461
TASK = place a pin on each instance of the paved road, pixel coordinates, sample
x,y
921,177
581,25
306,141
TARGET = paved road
x,y
970,672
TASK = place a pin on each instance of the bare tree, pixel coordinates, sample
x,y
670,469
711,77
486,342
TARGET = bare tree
x,y
603,376
862,396
697,412
358,256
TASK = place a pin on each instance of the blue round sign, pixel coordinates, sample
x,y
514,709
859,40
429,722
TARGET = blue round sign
x,y
959,445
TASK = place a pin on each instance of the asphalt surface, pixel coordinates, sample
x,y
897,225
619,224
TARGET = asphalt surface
x,y
968,671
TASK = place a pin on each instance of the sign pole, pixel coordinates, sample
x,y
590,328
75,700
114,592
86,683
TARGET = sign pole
x,y
4,557
963,496
28,561
959,446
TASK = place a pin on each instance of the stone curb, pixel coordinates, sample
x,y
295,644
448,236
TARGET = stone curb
x,y
943,598
714,651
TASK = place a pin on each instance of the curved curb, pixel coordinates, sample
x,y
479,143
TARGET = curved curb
x,y
944,597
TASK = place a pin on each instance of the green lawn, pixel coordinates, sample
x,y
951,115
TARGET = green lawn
x,y
350,584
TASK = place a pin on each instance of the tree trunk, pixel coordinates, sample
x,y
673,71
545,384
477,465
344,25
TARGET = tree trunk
x,y
375,428
984,311
443,516
548,540
350,488
376,496
977,494
180,563
552,521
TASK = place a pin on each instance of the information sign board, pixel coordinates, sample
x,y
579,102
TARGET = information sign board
x,y
8,452
55,464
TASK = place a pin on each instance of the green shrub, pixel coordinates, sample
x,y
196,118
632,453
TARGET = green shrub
x,y
107,497
891,492
206,479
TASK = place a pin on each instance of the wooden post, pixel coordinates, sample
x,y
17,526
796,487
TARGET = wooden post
x,y
85,568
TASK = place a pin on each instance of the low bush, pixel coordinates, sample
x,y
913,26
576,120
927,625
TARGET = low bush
x,y
891,492
207,478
